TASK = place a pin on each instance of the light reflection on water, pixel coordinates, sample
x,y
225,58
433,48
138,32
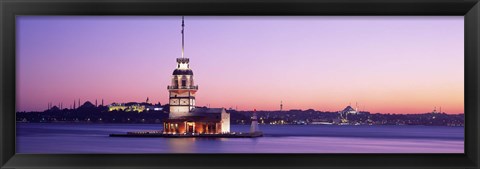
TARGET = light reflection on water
x,y
181,145
93,138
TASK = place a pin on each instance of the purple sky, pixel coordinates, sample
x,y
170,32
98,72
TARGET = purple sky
x,y
387,64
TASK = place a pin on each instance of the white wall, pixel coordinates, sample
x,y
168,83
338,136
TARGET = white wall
x,y
177,111
225,121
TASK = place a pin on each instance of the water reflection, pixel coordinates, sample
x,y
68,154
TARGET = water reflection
x,y
181,145
93,138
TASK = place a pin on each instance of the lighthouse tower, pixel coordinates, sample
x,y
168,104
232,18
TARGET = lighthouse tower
x,y
182,89
254,126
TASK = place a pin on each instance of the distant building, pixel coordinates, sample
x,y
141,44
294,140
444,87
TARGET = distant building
x,y
134,107
435,110
345,112
349,110
116,107
184,117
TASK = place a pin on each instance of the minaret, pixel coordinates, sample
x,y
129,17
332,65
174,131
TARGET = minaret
x,y
74,104
96,103
102,102
182,89
356,107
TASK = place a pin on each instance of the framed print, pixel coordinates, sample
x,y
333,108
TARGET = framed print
x,y
154,84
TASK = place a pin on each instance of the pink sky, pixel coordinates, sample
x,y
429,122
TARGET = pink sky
x,y
387,64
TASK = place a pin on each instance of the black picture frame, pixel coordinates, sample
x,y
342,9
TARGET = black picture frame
x,y
9,9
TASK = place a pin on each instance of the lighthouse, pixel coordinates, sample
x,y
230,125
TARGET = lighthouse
x,y
184,117
254,126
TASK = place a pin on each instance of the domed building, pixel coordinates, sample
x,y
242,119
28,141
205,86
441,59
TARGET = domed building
x,y
184,117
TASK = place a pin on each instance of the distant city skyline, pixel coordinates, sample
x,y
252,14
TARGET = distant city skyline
x,y
388,64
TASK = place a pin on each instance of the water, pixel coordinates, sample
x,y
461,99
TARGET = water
x,y
93,138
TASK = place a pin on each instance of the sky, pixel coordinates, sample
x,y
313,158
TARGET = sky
x,y
386,64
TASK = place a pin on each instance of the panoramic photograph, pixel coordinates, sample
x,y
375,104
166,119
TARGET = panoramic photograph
x,y
239,84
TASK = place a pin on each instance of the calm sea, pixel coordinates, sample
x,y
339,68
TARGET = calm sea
x,y
93,138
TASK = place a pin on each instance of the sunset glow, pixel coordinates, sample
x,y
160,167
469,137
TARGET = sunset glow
x,y
391,64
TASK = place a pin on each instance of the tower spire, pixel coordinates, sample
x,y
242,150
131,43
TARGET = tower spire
x,y
183,44
281,105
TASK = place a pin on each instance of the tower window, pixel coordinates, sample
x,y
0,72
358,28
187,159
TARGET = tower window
x,y
175,81
184,82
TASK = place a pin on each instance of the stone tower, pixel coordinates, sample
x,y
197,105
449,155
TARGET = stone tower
x,y
182,89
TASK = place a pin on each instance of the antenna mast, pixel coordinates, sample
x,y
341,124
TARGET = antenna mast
x,y
183,26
